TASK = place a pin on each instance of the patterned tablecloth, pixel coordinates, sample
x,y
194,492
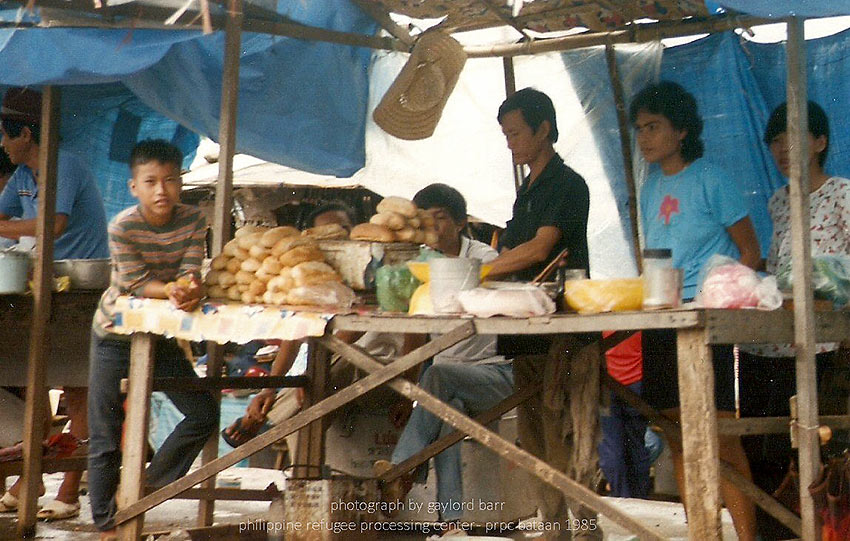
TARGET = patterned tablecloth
x,y
217,321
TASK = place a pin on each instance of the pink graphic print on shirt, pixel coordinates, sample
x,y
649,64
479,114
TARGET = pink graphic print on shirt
x,y
669,206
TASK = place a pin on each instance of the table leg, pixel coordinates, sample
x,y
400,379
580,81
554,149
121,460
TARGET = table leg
x,y
311,439
136,432
215,362
699,435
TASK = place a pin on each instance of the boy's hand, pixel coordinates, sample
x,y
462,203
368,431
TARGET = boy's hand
x,y
185,293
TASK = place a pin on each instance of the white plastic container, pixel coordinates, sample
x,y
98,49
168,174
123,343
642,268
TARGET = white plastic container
x,y
450,276
656,266
13,272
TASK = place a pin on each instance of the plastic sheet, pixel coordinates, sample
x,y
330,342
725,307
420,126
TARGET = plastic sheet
x,y
516,300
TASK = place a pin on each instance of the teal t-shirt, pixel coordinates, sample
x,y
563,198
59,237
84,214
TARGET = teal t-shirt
x,y
689,213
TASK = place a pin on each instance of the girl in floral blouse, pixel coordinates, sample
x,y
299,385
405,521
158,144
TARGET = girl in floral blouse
x,y
767,371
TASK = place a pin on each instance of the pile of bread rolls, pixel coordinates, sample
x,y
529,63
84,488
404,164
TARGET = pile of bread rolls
x,y
397,220
271,266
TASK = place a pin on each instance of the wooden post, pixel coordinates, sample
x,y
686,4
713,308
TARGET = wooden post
x,y
510,88
311,438
699,435
801,265
222,208
626,148
35,414
136,432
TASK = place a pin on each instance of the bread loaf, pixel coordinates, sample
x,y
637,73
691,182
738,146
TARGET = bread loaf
x,y
391,220
250,265
219,262
313,272
289,243
244,277
406,235
326,232
246,241
249,229
300,254
217,292
258,252
272,236
372,232
403,206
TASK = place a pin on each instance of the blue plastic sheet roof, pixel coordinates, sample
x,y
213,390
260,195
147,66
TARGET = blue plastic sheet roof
x,y
302,103
785,8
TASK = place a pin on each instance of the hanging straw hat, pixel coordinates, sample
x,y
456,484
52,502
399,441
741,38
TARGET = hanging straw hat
x,y
414,102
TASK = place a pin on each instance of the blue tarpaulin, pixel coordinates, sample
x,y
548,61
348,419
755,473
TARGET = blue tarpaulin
x,y
784,8
301,103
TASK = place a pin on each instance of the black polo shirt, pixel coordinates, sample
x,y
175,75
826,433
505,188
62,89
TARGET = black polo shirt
x,y
558,197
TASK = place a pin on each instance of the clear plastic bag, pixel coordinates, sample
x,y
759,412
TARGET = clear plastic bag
x,y
830,278
394,286
726,283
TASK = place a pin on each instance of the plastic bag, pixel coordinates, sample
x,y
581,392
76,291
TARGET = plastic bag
x,y
830,278
324,294
515,301
595,296
727,283
394,287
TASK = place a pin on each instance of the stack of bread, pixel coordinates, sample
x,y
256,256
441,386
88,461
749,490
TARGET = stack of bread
x,y
398,220
273,266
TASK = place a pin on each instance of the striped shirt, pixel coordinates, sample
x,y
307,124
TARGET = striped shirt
x,y
142,252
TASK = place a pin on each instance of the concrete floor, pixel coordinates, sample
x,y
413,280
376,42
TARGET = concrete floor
x,y
667,518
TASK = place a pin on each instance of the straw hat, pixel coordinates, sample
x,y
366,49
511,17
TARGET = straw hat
x,y
414,102
22,105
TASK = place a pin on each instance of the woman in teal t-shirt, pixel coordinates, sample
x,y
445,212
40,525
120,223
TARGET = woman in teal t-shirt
x,y
692,207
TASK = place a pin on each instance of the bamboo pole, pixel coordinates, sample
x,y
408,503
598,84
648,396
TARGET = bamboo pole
x,y
510,88
222,209
387,23
35,412
626,148
801,265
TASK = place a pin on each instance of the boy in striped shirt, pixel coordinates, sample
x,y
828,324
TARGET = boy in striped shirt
x,y
157,248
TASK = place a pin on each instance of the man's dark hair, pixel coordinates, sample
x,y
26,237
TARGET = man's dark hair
x,y
13,128
679,107
156,150
535,107
331,206
818,125
6,165
442,196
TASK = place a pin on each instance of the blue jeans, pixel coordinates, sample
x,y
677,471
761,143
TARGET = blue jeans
x,y
623,455
109,363
470,389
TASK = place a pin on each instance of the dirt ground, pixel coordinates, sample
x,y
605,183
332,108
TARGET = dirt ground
x,y
667,518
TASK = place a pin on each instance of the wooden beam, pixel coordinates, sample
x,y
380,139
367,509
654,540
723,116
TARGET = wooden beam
x,y
215,367
227,127
382,17
774,425
494,442
510,88
484,418
333,402
213,383
637,33
673,434
625,148
134,450
801,270
509,21
35,412
310,452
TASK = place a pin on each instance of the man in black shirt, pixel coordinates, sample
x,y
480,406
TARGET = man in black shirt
x,y
549,214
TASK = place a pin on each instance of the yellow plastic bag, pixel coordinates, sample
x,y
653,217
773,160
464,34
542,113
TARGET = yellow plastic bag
x,y
595,296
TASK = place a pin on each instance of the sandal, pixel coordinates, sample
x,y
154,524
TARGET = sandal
x,y
237,433
8,503
57,510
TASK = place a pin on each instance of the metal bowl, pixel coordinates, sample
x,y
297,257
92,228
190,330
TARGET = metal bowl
x,y
84,273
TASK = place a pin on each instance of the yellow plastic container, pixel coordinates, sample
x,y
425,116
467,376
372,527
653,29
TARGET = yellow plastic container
x,y
595,296
420,270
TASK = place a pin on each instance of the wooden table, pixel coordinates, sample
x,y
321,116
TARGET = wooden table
x,y
696,329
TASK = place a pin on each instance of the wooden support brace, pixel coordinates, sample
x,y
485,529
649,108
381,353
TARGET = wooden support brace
x,y
333,402
493,441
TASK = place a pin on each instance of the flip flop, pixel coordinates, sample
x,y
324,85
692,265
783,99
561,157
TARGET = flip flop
x,y
239,435
56,510
8,503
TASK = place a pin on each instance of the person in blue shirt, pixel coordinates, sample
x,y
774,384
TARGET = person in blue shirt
x,y
692,207
80,218
80,229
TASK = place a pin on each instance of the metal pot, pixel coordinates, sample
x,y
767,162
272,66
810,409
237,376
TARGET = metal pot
x,y
84,273
14,267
